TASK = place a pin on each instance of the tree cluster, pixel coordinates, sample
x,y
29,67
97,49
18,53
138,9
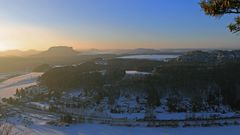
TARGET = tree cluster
x,y
219,8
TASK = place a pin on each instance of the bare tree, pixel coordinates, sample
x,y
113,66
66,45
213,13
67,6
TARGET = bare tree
x,y
6,129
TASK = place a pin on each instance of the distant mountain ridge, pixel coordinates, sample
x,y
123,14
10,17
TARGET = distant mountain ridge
x,y
58,51
18,53
65,51
133,51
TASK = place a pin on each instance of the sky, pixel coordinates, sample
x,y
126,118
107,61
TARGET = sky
x,y
111,24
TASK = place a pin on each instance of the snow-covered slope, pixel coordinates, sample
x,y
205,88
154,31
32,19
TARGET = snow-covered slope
x,y
8,87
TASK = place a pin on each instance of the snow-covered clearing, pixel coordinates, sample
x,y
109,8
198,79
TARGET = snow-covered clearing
x,y
134,72
8,87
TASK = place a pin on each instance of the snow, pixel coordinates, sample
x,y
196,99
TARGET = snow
x,y
150,57
88,129
172,116
75,93
183,116
59,66
4,76
34,122
129,116
96,129
134,72
102,62
8,87
43,106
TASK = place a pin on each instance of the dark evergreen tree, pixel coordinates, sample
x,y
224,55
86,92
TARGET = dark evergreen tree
x,y
219,8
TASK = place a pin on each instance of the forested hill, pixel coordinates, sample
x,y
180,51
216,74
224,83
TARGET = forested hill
x,y
216,82
216,56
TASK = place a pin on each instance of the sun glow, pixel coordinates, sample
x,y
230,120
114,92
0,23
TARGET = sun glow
x,y
4,47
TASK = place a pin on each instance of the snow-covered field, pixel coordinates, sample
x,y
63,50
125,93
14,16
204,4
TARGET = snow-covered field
x,y
150,57
35,123
8,87
5,76
96,129
88,129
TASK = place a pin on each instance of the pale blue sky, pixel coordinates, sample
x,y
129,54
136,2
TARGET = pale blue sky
x,y
107,24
